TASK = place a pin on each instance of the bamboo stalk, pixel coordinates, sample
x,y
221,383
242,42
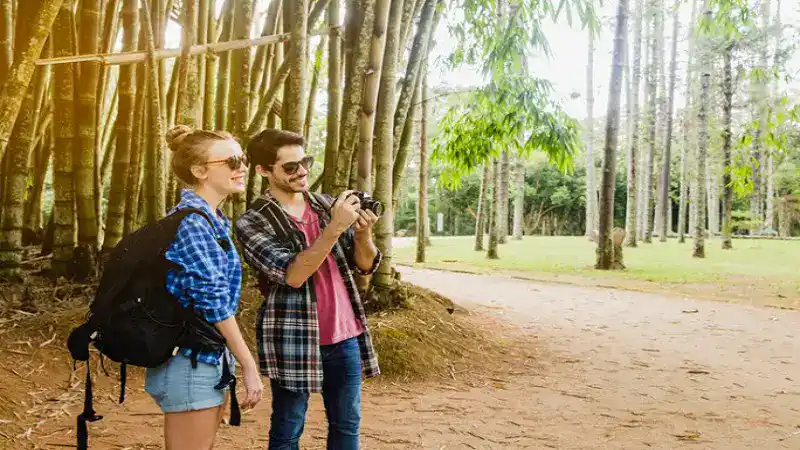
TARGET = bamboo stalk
x,y
199,49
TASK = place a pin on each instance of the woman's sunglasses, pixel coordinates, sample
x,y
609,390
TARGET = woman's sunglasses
x,y
233,162
291,167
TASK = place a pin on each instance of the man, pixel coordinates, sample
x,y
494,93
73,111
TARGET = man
x,y
311,329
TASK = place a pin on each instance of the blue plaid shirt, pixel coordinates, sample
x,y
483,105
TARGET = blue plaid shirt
x,y
210,275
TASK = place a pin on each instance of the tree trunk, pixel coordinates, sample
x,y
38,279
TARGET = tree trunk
x,y
265,104
109,32
352,98
39,162
661,120
494,212
419,51
84,159
702,146
64,130
33,206
645,121
483,201
591,198
633,145
211,69
240,78
156,200
115,221
652,93
366,126
382,68
334,99
605,247
411,9
312,93
259,76
188,108
769,219
295,93
19,150
692,188
133,182
401,155
401,159
685,149
21,71
519,198
422,201
761,95
665,177
712,183
224,71
505,175
727,106
6,38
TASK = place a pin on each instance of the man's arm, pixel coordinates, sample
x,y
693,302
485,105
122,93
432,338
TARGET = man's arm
x,y
365,252
308,261
264,253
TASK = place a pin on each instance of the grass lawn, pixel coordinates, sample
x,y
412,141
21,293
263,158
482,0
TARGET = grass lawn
x,y
765,272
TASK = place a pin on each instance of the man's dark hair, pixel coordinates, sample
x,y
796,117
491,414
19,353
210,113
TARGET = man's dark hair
x,y
263,147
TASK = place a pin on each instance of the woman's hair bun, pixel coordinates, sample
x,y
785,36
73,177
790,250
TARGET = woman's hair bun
x,y
176,134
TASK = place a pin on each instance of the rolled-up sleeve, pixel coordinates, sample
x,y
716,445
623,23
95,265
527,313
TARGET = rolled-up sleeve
x,y
202,263
261,249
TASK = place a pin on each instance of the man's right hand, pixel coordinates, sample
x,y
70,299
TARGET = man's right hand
x,y
345,211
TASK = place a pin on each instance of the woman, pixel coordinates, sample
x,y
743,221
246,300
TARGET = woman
x,y
213,165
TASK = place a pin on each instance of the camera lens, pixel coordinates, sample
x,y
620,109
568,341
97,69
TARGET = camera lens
x,y
373,205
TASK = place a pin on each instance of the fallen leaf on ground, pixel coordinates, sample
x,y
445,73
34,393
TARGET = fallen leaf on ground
x,y
688,435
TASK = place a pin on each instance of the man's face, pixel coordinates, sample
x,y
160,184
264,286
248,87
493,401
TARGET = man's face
x,y
290,172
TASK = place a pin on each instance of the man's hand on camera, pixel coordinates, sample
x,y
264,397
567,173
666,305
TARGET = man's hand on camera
x,y
345,211
366,219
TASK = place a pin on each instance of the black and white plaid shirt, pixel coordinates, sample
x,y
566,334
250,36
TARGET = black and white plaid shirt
x,y
287,327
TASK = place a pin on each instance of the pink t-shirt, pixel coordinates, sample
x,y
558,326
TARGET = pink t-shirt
x,y
337,321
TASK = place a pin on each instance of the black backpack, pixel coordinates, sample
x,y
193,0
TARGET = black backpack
x,y
135,320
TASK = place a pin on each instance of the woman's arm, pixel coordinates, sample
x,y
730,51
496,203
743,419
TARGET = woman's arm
x,y
202,279
252,379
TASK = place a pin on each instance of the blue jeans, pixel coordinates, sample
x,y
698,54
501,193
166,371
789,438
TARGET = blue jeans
x,y
341,393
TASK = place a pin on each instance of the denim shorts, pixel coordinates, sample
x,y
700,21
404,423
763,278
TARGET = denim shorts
x,y
178,387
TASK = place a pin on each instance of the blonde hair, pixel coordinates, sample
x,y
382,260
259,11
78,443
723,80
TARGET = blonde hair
x,y
190,148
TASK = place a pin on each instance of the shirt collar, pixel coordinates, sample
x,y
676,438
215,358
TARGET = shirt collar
x,y
190,199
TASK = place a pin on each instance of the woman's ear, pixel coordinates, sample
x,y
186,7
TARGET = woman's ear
x,y
199,172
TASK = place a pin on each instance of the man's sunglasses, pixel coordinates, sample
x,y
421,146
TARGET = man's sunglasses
x,y
291,167
233,162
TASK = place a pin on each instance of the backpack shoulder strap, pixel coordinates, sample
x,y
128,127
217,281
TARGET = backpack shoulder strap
x,y
277,220
180,214
324,200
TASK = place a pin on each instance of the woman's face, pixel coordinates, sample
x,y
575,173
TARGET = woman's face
x,y
225,168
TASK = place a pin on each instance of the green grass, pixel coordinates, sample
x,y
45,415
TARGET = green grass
x,y
764,267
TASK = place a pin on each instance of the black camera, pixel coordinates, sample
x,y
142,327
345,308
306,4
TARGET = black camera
x,y
368,202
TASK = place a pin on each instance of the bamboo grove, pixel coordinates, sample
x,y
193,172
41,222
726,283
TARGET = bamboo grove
x,y
90,88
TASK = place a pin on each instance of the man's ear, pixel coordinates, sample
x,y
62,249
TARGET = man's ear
x,y
261,170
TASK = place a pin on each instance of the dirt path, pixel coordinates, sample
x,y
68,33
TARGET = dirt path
x,y
632,371
648,372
